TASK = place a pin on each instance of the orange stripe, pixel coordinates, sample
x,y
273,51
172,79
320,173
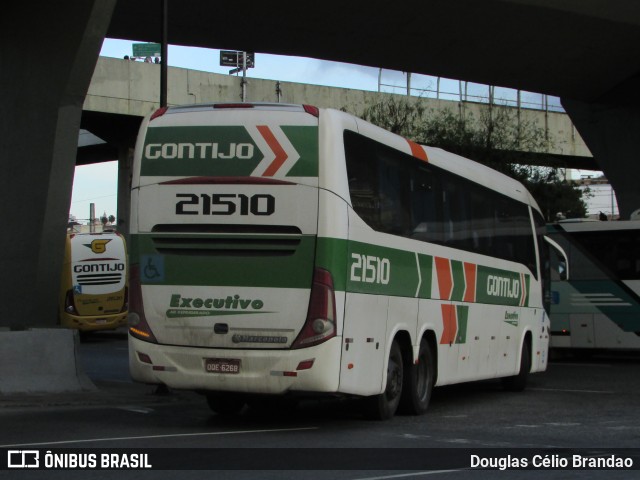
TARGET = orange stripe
x,y
449,324
417,150
445,280
470,278
274,145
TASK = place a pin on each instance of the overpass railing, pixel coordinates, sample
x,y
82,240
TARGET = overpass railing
x,y
462,91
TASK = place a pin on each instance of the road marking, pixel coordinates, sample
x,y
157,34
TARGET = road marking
x,y
608,392
147,437
563,424
136,409
406,475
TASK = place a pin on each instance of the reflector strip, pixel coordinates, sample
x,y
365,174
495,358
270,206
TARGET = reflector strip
x,y
283,374
417,151
305,364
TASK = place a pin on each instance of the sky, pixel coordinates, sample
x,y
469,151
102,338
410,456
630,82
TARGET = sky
x,y
98,183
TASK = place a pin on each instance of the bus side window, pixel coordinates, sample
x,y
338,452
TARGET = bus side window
x,y
426,223
456,216
395,195
557,265
482,224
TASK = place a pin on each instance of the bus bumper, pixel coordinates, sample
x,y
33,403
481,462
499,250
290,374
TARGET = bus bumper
x,y
313,369
93,323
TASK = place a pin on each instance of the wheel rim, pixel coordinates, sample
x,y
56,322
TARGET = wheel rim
x,y
394,378
422,381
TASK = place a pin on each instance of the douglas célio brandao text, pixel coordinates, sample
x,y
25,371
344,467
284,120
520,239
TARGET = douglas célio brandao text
x,y
551,461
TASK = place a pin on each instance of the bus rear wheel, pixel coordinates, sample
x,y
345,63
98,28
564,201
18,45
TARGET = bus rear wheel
x,y
225,403
384,406
419,382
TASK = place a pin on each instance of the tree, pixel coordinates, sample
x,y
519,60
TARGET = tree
x,y
497,138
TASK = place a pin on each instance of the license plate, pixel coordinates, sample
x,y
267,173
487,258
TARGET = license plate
x,y
222,365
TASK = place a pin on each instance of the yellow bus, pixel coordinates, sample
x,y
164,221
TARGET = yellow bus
x,y
94,292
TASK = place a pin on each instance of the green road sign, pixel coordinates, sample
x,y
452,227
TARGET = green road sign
x,y
146,49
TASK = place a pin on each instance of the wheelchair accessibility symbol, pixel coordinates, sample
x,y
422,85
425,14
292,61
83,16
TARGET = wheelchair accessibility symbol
x,y
152,268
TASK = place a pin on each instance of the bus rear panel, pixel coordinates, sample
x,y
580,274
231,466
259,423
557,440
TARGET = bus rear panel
x,y
94,291
225,243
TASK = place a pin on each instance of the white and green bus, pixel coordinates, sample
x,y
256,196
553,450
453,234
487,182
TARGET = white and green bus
x,y
290,250
598,307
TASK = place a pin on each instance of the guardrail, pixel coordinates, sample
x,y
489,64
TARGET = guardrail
x,y
506,96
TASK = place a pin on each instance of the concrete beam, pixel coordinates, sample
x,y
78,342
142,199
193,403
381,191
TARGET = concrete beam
x,y
611,133
130,90
38,140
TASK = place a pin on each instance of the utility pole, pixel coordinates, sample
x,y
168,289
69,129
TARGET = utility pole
x,y
240,60
92,217
163,55
244,77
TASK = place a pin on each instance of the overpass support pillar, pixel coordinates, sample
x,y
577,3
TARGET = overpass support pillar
x,y
125,163
612,134
47,57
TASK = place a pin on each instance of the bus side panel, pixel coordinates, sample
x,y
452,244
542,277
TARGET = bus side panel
x,y
382,284
430,319
402,317
364,332
478,336
608,333
540,339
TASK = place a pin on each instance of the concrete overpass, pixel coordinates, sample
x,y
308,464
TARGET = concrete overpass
x,y
122,92
130,90
585,51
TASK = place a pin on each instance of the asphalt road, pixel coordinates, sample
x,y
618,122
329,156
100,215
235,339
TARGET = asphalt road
x,y
582,405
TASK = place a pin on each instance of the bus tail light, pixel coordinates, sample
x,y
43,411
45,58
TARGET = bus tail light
x,y
312,110
138,326
158,113
69,303
320,325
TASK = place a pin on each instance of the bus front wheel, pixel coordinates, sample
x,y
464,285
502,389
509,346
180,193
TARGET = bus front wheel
x,y
384,406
